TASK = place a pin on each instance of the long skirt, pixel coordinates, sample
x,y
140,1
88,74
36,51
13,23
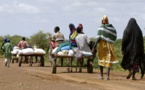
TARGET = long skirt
x,y
106,55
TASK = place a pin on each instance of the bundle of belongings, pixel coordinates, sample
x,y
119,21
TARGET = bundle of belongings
x,y
70,47
68,50
27,51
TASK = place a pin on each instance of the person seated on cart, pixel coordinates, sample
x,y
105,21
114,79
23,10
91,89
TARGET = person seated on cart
x,y
22,45
68,45
71,43
83,41
57,37
83,48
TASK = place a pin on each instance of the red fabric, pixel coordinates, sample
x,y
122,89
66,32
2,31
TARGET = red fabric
x,y
53,44
80,26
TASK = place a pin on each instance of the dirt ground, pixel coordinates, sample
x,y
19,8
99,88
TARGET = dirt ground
x,y
40,78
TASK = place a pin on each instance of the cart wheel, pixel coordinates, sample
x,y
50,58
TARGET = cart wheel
x,y
68,70
5,63
20,62
89,66
42,61
31,61
54,66
17,61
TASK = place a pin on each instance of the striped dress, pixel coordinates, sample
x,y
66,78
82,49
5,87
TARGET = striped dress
x,y
107,35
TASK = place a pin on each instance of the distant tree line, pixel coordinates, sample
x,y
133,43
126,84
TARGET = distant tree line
x,y
40,39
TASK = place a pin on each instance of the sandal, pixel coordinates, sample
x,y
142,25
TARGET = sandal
x,y
129,75
100,77
107,79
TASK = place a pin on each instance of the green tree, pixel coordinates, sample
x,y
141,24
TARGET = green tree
x,y
15,39
40,39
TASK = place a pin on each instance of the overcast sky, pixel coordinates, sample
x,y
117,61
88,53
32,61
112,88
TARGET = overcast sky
x,y
27,17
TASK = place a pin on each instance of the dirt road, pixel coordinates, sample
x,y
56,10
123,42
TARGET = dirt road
x,y
40,78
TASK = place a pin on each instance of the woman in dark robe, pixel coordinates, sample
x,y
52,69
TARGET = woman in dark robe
x,y
133,49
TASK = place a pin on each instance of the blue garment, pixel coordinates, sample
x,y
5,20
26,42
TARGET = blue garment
x,y
65,48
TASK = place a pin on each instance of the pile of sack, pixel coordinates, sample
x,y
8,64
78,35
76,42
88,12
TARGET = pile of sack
x,y
72,52
27,51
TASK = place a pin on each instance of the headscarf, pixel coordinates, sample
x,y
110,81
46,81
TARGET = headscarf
x,y
105,20
72,28
132,46
80,29
80,26
72,35
8,40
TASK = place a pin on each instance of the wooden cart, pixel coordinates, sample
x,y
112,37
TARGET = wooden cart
x,y
14,57
89,62
41,62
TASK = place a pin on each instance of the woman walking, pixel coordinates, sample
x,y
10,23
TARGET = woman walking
x,y
106,37
133,49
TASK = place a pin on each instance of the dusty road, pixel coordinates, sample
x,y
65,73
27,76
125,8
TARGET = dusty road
x,y
40,78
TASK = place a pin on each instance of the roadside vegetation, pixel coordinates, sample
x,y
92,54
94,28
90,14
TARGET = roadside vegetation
x,y
41,40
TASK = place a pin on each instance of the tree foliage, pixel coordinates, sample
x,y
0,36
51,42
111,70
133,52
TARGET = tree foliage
x,y
40,39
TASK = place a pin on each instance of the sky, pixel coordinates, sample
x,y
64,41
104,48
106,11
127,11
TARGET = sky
x,y
28,17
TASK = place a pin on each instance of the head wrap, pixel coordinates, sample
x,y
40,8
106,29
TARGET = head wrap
x,y
72,35
72,28
71,25
8,40
105,20
80,26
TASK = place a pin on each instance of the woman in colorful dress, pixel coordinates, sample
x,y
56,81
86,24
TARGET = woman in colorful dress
x,y
71,43
105,39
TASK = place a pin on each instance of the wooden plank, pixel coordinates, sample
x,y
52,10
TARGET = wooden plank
x,y
67,56
54,66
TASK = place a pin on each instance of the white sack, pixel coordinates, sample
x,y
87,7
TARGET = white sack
x,y
39,51
27,51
